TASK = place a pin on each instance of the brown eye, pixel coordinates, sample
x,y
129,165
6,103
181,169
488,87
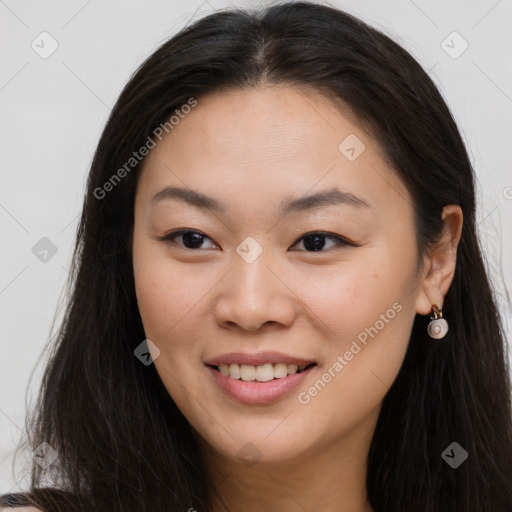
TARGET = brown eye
x,y
189,239
316,241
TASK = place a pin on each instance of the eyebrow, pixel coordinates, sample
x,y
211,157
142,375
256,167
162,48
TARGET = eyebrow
x,y
333,196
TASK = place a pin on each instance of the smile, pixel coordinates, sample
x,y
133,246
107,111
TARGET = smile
x,y
262,373
259,385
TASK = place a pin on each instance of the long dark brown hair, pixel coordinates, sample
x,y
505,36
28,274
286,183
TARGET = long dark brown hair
x,y
123,445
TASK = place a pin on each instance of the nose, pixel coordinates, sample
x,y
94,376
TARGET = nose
x,y
254,294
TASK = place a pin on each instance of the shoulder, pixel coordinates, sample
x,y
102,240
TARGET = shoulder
x,y
17,502
41,500
44,499
20,509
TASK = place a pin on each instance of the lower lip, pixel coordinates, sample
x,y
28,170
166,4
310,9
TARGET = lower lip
x,y
254,392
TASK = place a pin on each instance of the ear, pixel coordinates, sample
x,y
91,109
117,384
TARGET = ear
x,y
440,265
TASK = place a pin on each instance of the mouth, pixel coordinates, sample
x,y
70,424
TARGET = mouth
x,y
261,373
263,383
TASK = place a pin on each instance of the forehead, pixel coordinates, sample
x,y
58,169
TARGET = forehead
x,y
269,142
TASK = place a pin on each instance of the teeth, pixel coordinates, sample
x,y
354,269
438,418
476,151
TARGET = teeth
x,y
247,372
280,370
263,373
234,371
292,368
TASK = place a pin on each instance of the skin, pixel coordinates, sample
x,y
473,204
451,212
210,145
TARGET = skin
x,y
251,149
21,509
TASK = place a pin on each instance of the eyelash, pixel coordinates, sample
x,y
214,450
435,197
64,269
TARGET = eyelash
x,y
340,240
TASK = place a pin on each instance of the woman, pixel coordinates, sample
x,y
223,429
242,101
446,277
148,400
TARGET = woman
x,y
279,298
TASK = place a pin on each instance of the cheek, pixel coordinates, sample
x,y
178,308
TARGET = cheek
x,y
353,297
166,299
367,311
382,281
172,298
154,296
161,291
370,320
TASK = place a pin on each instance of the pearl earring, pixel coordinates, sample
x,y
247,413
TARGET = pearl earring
x,y
438,326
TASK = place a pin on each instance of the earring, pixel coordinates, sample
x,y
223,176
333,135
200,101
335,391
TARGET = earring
x,y
438,326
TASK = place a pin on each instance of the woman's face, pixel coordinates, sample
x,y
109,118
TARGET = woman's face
x,y
250,288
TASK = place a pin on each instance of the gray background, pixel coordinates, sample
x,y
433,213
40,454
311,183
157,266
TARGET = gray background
x,y
53,110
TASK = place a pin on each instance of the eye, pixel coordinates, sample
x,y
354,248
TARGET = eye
x,y
312,242
315,241
190,239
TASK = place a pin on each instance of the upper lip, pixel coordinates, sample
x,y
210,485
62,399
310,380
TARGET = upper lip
x,y
258,359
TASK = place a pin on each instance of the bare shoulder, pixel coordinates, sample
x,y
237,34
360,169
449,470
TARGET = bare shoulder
x,y
20,509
